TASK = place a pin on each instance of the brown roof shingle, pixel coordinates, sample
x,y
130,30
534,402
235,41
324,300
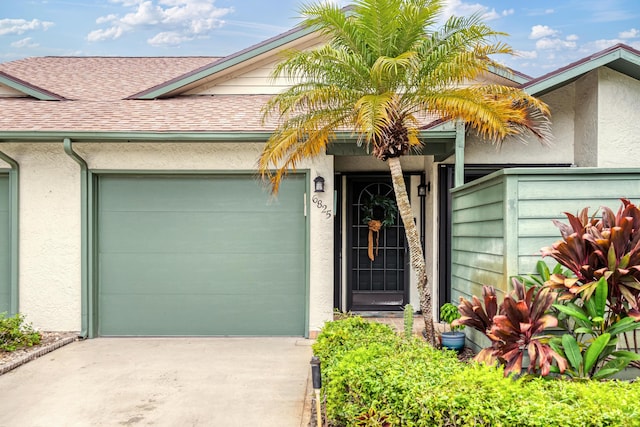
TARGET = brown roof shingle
x,y
95,91
95,88
180,114
100,78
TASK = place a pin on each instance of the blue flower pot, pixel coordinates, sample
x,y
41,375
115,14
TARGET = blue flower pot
x,y
453,340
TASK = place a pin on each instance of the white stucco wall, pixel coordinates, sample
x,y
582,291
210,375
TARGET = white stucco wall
x,y
586,106
514,151
49,236
618,107
50,224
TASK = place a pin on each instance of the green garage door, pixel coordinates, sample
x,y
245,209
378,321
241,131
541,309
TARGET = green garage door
x,y
5,246
200,255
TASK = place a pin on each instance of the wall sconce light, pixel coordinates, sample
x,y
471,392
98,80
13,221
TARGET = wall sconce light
x,y
423,189
318,184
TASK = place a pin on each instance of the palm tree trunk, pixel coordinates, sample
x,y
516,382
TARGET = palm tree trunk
x,y
415,247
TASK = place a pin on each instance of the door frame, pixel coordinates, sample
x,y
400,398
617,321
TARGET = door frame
x,y
341,285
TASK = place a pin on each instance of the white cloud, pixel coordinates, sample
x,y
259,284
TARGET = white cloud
x,y
20,26
108,34
555,44
127,3
493,15
173,21
540,31
573,37
598,45
461,8
105,19
24,43
527,54
168,38
490,15
631,34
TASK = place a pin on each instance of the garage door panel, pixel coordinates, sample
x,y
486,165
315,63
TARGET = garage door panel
x,y
164,273
218,315
206,255
198,194
197,232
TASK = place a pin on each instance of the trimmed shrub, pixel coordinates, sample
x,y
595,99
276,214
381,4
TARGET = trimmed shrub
x,y
372,377
15,333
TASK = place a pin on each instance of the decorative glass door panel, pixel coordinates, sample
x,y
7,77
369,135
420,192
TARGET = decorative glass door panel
x,y
376,240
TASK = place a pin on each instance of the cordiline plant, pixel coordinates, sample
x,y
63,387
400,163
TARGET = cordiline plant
x,y
590,346
600,249
515,328
608,248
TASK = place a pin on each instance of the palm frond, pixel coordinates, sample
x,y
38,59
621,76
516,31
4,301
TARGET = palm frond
x,y
458,52
372,114
393,73
325,64
495,112
303,137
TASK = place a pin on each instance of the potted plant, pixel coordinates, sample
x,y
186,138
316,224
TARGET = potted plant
x,y
455,338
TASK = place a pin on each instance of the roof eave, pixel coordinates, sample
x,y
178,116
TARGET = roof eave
x,y
571,72
223,64
223,136
28,89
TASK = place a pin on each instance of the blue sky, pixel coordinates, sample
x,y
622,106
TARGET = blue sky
x,y
546,34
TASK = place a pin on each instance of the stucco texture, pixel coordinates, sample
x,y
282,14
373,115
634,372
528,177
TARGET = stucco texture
x,y
618,106
49,236
50,217
515,151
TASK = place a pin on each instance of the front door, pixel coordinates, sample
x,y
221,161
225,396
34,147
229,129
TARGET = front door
x,y
376,260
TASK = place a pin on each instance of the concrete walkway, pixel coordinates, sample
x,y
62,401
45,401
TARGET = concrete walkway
x,y
249,382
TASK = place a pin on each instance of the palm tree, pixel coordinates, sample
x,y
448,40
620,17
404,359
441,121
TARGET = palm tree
x,y
384,67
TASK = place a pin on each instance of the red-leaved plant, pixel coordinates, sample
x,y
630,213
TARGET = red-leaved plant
x,y
593,248
515,327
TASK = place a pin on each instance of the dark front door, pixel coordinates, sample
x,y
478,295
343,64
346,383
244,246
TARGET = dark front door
x,y
381,283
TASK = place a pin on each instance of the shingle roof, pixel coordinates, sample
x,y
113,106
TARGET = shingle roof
x,y
100,78
95,88
181,114
620,57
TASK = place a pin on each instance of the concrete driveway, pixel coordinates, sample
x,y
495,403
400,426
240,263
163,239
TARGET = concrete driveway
x,y
162,382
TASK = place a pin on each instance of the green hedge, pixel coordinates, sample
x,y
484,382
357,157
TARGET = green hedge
x,y
373,377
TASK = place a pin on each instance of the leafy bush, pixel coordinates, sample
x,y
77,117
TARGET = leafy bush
x,y
598,297
381,379
15,333
515,328
606,248
591,344
342,336
448,314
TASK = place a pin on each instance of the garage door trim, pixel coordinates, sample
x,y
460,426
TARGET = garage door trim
x,y
92,231
12,204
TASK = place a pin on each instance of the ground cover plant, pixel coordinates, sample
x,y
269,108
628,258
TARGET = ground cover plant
x,y
15,333
375,377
